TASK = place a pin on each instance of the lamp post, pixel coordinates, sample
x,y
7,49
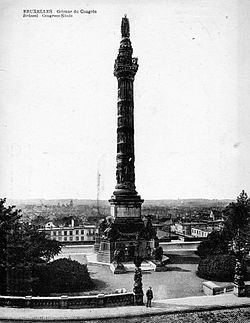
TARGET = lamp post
x,y
138,258
238,249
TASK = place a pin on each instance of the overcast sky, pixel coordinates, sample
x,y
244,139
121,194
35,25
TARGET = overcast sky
x,y
58,98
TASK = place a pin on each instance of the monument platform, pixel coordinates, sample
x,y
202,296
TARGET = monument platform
x,y
129,266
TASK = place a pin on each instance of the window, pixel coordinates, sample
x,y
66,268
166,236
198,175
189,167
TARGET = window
x,y
82,231
70,233
70,238
77,238
82,238
65,233
60,238
54,233
65,238
77,231
59,232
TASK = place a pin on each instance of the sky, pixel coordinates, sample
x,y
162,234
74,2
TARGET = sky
x,y
191,94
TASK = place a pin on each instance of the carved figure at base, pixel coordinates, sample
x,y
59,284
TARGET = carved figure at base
x,y
118,257
158,254
111,232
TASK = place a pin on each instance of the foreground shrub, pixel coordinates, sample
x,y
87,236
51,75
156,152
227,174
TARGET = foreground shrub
x,y
61,276
218,268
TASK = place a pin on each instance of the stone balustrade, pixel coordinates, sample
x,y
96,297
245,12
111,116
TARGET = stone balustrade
x,y
210,288
64,301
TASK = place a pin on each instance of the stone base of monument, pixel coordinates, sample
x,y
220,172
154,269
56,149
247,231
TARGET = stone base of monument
x,y
105,251
117,269
130,267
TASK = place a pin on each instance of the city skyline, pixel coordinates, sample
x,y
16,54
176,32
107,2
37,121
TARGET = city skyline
x,y
58,105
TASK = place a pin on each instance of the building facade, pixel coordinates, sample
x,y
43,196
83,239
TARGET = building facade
x,y
197,229
70,234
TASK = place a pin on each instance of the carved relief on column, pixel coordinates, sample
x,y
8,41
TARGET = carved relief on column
x,y
125,88
125,170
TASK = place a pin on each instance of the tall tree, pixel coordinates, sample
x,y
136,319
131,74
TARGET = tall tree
x,y
21,244
236,222
237,217
9,223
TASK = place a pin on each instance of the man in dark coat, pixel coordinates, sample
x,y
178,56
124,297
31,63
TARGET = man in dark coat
x,y
149,294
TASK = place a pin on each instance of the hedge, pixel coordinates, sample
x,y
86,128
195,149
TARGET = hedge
x,y
218,268
61,276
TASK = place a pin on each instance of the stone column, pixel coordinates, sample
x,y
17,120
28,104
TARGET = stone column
x,y
125,70
125,201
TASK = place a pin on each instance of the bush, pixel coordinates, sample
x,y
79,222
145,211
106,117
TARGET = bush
x,y
215,244
61,276
218,268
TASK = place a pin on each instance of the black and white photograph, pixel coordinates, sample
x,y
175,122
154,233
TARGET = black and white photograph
x,y
125,161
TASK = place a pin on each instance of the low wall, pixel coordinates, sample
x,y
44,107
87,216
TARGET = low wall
x,y
210,288
179,246
100,300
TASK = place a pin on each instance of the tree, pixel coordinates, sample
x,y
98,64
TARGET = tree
x,y
8,223
237,216
21,245
26,245
214,251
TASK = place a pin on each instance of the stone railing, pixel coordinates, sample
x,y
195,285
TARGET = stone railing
x,y
100,300
210,288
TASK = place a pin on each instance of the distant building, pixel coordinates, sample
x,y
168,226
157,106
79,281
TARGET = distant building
x,y
197,229
215,215
200,232
163,230
72,233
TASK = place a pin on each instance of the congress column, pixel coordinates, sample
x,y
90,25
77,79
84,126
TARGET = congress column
x,y
125,202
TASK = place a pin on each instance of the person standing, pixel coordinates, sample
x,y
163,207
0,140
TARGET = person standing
x,y
149,295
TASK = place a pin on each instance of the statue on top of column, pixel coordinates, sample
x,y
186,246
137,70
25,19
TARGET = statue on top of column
x,y
125,27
